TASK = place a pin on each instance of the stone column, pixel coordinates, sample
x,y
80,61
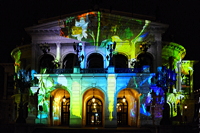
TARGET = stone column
x,y
58,51
158,40
58,54
178,76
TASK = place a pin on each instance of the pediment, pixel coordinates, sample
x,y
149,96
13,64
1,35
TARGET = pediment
x,y
99,28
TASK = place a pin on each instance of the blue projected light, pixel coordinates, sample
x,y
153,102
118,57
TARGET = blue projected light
x,y
144,111
144,35
42,116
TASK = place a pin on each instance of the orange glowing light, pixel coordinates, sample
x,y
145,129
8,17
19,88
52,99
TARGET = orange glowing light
x,y
85,14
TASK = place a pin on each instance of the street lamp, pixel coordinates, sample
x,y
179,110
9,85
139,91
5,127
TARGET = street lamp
x,y
185,116
64,98
124,98
93,98
78,48
111,48
22,80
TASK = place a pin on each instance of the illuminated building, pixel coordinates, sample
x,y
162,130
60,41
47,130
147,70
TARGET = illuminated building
x,y
100,69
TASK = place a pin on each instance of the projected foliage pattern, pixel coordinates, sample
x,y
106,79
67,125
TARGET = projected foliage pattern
x,y
100,29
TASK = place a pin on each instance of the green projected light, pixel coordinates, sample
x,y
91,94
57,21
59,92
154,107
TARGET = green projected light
x,y
76,100
111,87
99,28
17,57
174,100
174,50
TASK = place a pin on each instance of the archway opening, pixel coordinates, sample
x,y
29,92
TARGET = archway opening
x,y
94,112
120,61
95,60
145,59
69,61
93,106
46,62
128,107
60,107
122,112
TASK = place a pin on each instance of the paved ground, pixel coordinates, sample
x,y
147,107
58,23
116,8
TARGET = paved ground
x,y
25,128
91,130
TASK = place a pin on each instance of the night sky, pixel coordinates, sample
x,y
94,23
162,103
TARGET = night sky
x,y
182,16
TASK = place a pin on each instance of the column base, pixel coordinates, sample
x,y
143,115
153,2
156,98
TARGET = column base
x,y
75,122
110,124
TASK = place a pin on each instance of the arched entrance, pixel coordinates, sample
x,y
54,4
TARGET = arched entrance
x,y
93,106
94,112
65,111
60,107
128,107
122,112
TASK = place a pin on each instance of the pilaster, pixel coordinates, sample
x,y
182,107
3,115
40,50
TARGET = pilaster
x,y
110,111
76,102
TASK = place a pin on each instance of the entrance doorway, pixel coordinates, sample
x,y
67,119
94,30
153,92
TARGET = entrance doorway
x,y
65,112
94,112
122,112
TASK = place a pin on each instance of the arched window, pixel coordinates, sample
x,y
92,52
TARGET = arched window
x,y
95,60
94,112
69,61
120,61
145,59
46,62
122,112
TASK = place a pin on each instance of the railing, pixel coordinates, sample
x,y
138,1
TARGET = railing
x,y
95,70
60,71
128,70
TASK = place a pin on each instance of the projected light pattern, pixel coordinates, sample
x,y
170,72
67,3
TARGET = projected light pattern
x,y
47,84
17,57
111,85
174,100
174,50
134,109
153,98
186,68
98,28
76,100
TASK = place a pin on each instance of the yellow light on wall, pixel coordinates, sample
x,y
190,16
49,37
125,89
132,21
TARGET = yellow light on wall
x,y
111,89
